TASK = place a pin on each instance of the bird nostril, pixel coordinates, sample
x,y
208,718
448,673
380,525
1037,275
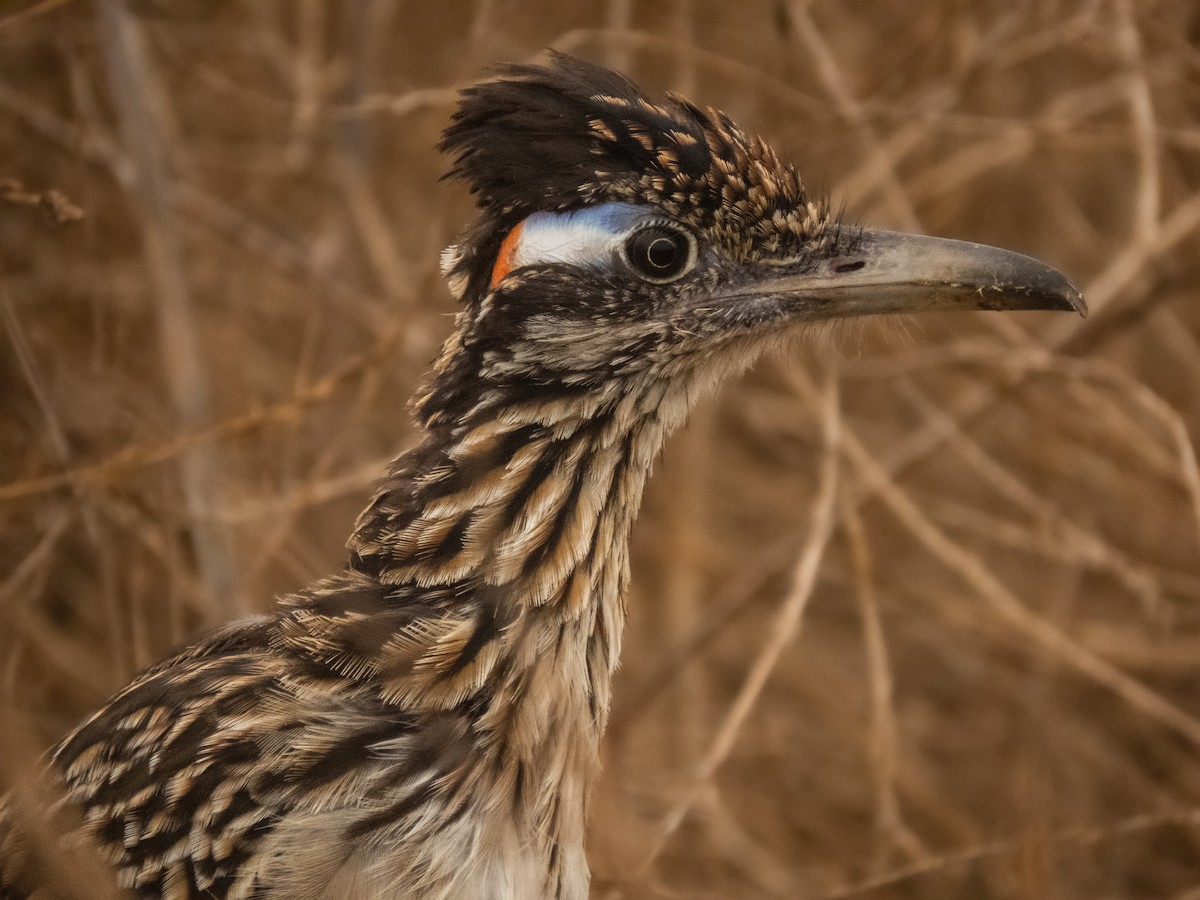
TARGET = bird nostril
x,y
850,267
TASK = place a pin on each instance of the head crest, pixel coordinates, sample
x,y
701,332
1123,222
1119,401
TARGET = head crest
x,y
572,133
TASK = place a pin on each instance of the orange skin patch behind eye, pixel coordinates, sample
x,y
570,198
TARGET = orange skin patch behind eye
x,y
504,259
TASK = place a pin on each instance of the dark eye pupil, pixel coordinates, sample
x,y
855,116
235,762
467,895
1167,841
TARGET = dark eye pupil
x,y
661,253
658,252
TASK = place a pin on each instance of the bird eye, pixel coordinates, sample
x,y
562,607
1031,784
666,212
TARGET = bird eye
x,y
660,253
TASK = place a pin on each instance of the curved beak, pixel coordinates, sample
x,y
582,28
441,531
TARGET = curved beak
x,y
889,272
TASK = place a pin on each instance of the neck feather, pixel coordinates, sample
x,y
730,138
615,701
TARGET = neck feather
x,y
503,544
485,601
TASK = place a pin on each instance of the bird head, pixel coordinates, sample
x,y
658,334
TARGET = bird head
x,y
624,240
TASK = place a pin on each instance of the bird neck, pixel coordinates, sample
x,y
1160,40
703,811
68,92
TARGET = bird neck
x,y
484,604
507,539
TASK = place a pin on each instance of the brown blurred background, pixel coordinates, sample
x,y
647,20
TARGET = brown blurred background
x,y
219,229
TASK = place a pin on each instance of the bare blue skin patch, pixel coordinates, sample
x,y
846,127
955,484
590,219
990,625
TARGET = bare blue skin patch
x,y
592,236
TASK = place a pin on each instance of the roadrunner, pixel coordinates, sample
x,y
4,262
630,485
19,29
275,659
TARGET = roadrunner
x,y
425,723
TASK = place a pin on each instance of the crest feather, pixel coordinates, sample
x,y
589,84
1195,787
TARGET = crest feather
x,y
570,134
552,137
